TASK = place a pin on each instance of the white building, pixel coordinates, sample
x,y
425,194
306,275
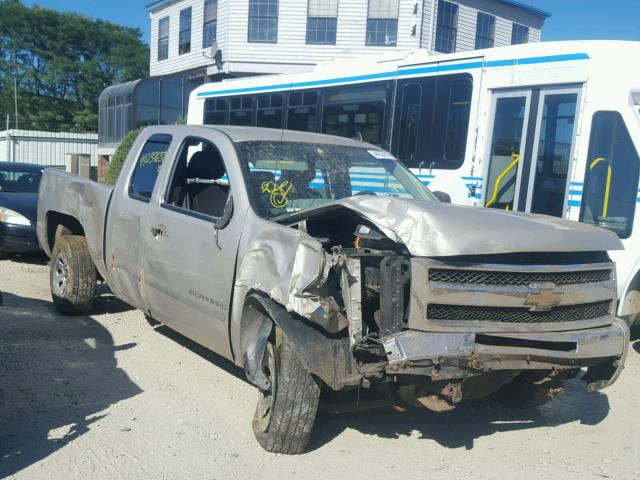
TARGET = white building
x,y
240,37
45,148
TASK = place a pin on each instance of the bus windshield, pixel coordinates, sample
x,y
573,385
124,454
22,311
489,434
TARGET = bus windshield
x,y
287,177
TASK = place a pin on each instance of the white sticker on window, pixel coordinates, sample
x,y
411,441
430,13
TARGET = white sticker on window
x,y
381,155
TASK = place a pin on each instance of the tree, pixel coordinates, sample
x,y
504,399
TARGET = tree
x,y
120,155
62,62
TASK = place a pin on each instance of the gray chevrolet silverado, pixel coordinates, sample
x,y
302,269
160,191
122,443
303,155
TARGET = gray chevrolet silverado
x,y
316,262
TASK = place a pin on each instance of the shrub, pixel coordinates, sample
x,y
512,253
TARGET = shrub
x,y
119,157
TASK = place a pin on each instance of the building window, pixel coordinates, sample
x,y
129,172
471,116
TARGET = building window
x,y
210,22
447,28
519,34
184,45
382,23
485,30
263,21
322,22
163,39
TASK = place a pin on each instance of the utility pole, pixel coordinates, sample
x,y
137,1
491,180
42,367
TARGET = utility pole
x,y
7,139
15,97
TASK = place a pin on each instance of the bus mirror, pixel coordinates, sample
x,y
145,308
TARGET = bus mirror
x,y
442,196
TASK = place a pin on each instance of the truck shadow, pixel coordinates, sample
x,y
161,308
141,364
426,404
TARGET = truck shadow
x,y
58,373
461,427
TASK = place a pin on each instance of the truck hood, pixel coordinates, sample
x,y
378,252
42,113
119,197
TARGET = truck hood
x,y
432,229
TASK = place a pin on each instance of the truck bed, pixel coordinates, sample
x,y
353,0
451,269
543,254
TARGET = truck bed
x,y
74,196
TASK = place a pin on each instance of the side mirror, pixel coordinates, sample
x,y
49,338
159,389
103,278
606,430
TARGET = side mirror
x,y
224,220
442,196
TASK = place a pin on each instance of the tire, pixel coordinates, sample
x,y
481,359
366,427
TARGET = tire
x,y
525,391
285,415
635,328
72,276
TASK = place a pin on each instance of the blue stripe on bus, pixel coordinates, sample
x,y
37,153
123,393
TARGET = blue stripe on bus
x,y
576,184
472,178
403,73
575,192
574,203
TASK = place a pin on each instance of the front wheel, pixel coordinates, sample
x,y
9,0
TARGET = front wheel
x,y
72,275
285,414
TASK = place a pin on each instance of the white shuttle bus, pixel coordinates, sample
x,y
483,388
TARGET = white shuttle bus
x,y
550,128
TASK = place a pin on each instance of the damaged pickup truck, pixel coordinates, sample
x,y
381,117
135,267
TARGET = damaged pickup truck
x,y
316,262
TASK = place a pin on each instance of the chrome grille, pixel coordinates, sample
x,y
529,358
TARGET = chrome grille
x,y
502,278
567,313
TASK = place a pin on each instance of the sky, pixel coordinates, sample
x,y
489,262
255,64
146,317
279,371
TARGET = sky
x,y
570,19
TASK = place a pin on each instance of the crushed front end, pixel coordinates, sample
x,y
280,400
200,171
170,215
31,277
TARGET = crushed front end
x,y
435,331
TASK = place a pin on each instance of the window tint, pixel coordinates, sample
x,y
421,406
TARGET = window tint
x,y
214,111
163,38
269,113
485,30
302,113
210,22
357,111
447,28
199,182
149,163
611,193
241,111
432,121
263,21
184,45
519,34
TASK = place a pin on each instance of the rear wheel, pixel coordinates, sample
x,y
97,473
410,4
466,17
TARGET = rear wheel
x,y
285,414
72,276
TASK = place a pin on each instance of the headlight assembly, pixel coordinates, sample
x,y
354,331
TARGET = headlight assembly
x,y
13,218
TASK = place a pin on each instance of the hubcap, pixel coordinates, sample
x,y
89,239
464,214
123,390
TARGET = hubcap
x,y
267,398
60,275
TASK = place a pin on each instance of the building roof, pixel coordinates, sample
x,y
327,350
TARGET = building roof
x,y
523,6
156,4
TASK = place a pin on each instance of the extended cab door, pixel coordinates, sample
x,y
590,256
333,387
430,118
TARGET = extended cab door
x,y
127,215
188,265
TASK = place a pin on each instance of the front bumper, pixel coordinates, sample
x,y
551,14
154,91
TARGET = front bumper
x,y
449,356
18,238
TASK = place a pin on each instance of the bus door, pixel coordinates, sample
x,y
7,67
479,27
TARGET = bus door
x,y
531,145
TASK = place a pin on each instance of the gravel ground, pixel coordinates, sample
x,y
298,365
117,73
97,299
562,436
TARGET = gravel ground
x,y
112,397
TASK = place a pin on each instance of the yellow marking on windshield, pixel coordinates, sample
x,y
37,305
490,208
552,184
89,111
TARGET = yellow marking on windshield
x,y
607,193
496,187
277,193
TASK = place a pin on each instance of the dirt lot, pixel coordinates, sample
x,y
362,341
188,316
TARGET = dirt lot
x,y
112,397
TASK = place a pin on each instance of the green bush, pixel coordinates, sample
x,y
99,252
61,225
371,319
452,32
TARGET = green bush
x,y
119,157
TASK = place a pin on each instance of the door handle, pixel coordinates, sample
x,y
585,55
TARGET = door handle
x,y
159,231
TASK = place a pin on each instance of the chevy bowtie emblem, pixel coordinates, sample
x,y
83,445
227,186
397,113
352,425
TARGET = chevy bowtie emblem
x,y
543,296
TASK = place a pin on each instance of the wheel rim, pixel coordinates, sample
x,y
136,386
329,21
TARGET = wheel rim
x,y
267,398
60,275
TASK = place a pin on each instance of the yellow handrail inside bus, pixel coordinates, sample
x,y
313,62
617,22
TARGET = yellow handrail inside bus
x,y
607,192
494,197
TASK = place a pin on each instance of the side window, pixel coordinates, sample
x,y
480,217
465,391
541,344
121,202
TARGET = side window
x,y
199,183
149,163
432,121
357,111
302,113
611,192
241,111
214,111
270,111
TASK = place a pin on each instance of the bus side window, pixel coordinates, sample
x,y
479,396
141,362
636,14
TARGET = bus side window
x,y
610,193
215,111
302,112
269,111
411,104
241,111
357,111
432,122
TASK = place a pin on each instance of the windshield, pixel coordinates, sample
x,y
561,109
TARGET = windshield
x,y
287,177
19,180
